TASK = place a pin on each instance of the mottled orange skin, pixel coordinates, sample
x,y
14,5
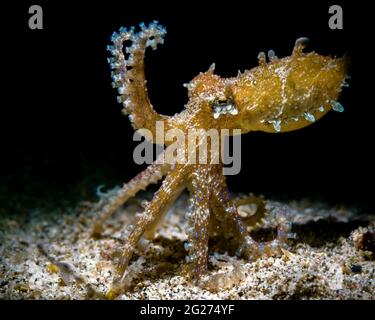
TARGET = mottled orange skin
x,y
275,96
312,82
313,79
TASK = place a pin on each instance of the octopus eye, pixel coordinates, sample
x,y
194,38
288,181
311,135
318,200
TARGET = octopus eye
x,y
224,107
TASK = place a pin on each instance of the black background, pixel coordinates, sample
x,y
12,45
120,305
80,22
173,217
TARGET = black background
x,y
63,134
242,308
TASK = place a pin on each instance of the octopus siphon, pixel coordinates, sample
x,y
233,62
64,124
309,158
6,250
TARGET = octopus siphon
x,y
279,95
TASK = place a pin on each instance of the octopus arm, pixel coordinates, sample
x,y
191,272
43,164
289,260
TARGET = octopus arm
x,y
248,246
170,189
198,221
152,174
128,73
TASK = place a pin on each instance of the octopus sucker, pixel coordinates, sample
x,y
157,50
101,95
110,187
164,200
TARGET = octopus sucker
x,y
280,95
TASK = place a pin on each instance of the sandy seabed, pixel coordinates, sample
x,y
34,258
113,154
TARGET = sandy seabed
x,y
52,256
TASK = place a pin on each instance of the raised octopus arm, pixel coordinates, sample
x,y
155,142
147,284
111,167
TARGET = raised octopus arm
x,y
128,73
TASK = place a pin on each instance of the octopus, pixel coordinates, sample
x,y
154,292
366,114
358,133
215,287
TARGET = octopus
x,y
279,95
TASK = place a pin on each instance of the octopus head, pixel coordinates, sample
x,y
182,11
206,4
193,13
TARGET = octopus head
x,y
281,95
289,93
